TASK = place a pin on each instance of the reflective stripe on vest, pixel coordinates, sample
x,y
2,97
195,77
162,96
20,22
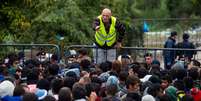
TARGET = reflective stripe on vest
x,y
102,36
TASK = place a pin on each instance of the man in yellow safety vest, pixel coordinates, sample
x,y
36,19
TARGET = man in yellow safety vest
x,y
108,36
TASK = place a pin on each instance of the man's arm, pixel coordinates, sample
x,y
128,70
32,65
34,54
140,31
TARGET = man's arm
x,y
96,24
121,30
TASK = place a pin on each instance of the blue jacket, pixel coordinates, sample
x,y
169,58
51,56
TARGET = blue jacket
x,y
186,45
11,98
169,55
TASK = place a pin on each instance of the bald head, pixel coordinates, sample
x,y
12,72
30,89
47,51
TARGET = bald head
x,y
106,14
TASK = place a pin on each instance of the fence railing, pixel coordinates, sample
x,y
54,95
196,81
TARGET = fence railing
x,y
22,47
140,51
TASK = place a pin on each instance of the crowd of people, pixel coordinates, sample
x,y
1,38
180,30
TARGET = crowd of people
x,y
82,80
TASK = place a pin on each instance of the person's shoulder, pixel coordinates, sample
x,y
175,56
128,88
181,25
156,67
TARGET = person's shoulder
x,y
169,40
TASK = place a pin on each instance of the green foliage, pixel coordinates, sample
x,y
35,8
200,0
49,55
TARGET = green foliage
x,y
38,21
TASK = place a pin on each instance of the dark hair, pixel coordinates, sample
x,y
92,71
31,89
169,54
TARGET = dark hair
x,y
92,87
78,91
56,85
18,91
65,94
32,76
167,77
53,69
105,66
173,33
155,70
96,80
135,66
132,80
69,82
180,74
49,98
185,36
196,63
164,98
43,84
54,57
116,66
29,97
123,75
142,72
85,64
111,89
148,54
193,72
179,84
154,89
82,51
155,79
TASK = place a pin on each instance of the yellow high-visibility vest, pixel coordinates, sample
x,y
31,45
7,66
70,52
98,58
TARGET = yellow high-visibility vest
x,y
102,37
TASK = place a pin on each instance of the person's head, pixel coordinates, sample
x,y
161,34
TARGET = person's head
x,y
65,94
180,74
106,14
56,85
193,72
148,58
85,64
123,75
165,81
134,67
78,91
92,87
105,66
43,84
54,58
85,80
111,90
69,82
193,63
173,34
19,90
49,98
155,79
116,66
53,69
132,83
154,90
179,84
142,72
125,60
82,52
186,36
29,97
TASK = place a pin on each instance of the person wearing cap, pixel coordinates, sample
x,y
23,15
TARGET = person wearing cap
x,y
169,56
109,33
186,44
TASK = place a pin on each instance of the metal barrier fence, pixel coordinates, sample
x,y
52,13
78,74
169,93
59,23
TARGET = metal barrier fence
x,y
137,53
29,49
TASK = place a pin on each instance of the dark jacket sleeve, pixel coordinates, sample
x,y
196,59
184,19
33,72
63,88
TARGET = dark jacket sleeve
x,y
121,30
96,23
